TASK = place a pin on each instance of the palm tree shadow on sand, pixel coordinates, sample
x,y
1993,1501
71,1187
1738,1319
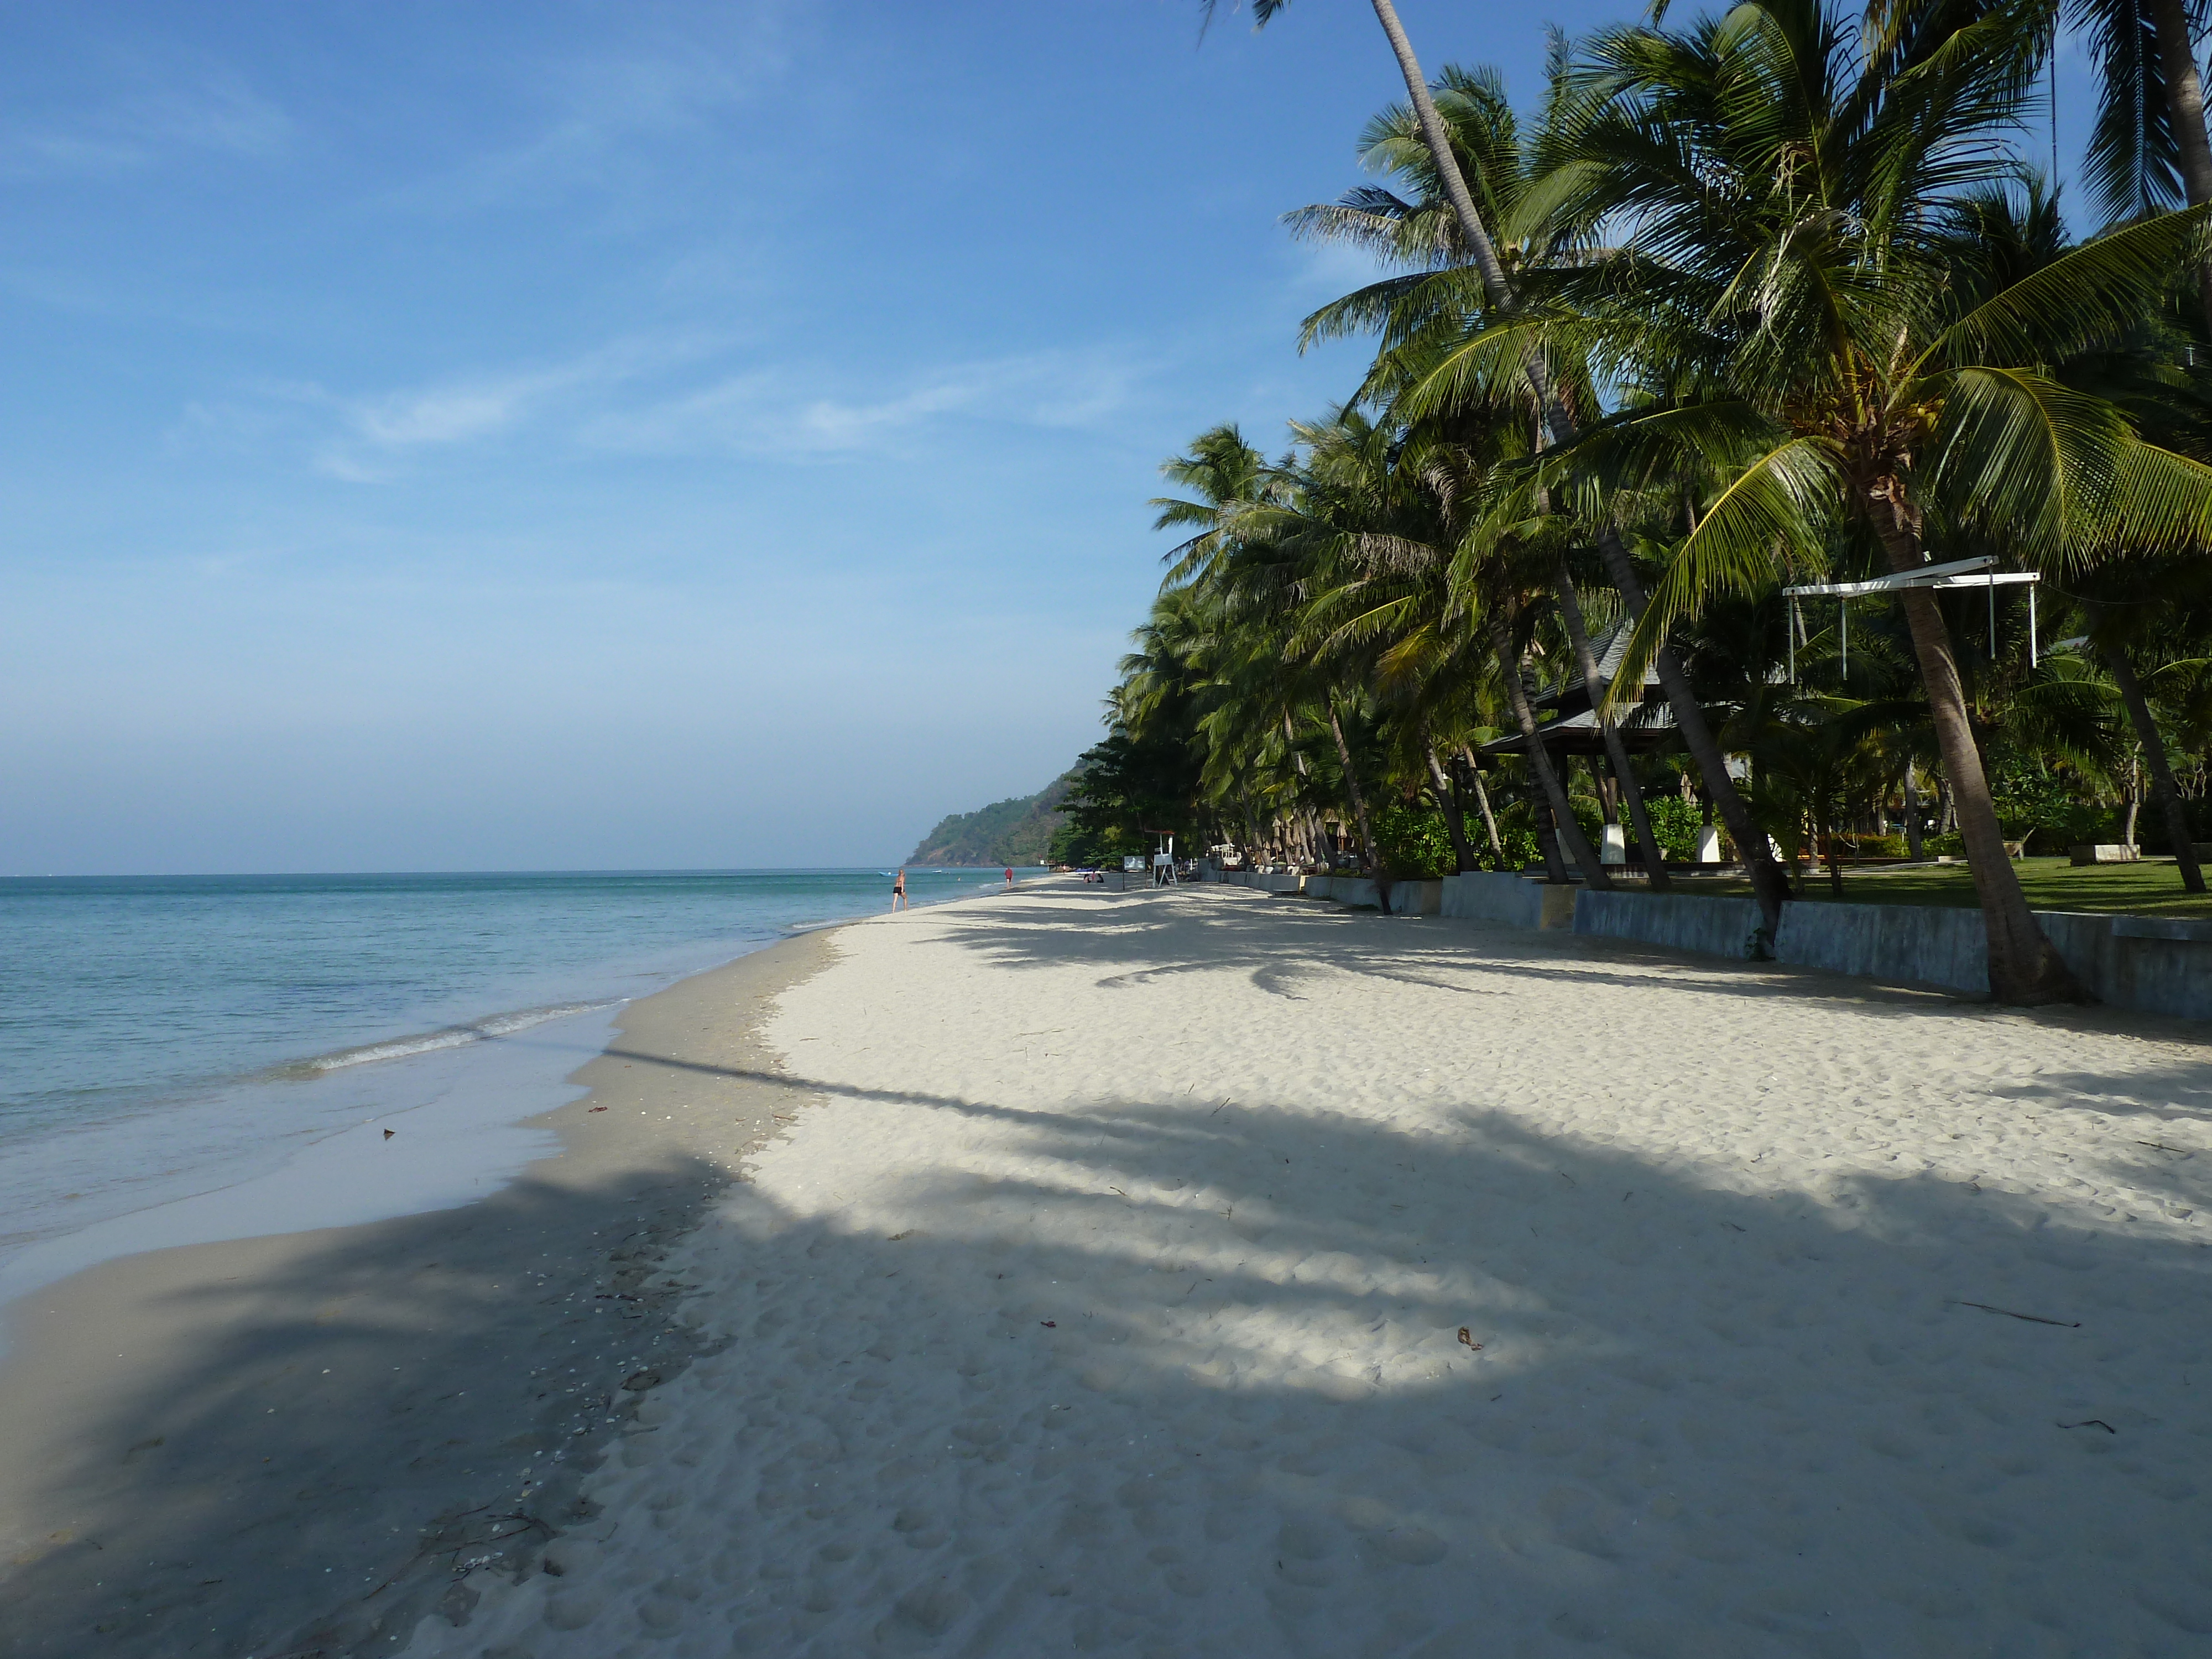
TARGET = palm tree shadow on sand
x,y
1187,1378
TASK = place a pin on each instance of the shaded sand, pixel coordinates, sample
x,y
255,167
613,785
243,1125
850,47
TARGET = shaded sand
x,y
294,1444
1108,1301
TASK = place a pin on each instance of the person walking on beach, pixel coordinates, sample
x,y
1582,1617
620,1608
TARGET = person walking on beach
x,y
898,892
1010,879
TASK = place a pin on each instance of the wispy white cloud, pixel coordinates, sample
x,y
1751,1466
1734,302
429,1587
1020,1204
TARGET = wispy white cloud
x,y
581,117
629,397
161,108
760,413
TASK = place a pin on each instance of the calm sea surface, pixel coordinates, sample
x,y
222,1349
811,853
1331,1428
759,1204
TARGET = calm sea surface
x,y
162,1038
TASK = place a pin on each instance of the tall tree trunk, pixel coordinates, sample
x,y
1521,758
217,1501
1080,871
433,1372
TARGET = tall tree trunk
x,y
1913,843
1616,751
1768,884
1482,800
1555,796
2185,101
1447,804
1547,839
1302,814
1767,879
2161,771
1351,788
2024,969
2135,806
1480,247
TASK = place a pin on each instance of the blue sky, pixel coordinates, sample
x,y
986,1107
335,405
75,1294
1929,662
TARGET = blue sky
x,y
446,436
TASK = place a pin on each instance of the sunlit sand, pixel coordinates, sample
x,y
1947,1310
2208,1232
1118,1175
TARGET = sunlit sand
x,y
1200,1273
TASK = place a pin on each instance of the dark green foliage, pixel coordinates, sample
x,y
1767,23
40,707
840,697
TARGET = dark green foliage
x,y
1413,841
2030,800
1126,792
1017,831
1674,825
1517,829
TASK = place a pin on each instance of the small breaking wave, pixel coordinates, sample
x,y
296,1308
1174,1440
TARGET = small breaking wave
x,y
446,1037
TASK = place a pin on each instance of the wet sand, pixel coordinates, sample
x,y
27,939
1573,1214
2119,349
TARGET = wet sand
x,y
298,1444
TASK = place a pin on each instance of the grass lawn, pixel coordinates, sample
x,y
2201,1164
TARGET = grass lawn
x,y
2152,888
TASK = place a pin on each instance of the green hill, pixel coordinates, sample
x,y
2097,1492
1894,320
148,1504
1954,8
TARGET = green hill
x,y
1014,831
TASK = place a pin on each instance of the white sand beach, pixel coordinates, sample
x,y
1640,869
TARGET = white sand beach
x,y
1196,1273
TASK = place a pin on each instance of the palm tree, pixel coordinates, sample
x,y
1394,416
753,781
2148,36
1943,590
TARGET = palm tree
x,y
1767,882
1784,272
2148,149
1422,231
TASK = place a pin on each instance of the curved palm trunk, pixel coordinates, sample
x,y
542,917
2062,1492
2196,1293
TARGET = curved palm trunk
x,y
2184,99
2161,771
1303,816
1482,802
1359,800
1827,816
1767,881
1448,174
1632,792
1768,884
1555,795
2024,967
1447,804
1913,842
1547,841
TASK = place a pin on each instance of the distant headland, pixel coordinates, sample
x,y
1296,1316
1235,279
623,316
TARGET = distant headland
x,y
1016,831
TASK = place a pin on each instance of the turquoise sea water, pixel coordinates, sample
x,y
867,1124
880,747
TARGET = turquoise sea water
x,y
171,1036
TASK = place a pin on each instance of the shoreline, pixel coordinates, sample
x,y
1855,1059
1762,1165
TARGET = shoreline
x,y
286,1443
160,1065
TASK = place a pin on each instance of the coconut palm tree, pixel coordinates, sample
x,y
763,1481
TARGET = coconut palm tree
x,y
2148,149
1783,201
1482,252
1420,230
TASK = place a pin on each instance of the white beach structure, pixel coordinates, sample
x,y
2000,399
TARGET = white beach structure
x,y
1957,573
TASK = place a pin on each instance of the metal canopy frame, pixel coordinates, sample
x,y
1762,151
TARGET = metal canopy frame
x,y
1958,573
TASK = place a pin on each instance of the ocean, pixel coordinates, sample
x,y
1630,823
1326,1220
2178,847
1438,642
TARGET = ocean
x,y
187,1058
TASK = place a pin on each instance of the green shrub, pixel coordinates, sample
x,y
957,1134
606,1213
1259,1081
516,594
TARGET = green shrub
x,y
1517,830
1873,847
1675,825
1412,840
2029,798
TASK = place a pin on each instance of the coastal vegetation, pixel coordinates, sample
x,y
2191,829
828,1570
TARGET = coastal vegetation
x,y
1780,296
1019,830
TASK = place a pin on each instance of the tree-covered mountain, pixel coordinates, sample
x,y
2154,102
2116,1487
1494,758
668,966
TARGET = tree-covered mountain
x,y
1016,831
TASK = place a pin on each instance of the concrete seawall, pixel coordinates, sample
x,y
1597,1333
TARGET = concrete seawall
x,y
1483,896
1712,927
2147,964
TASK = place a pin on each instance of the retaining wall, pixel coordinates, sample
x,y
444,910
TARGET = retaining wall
x,y
1489,896
1713,926
2147,964
1933,944
1417,898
